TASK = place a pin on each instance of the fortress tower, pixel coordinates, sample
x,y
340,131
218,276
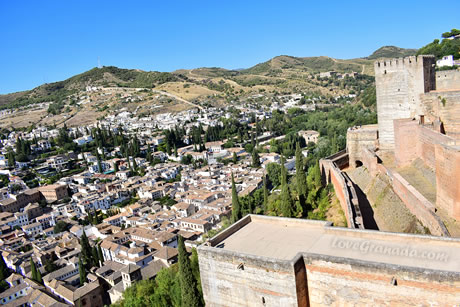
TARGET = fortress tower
x,y
399,83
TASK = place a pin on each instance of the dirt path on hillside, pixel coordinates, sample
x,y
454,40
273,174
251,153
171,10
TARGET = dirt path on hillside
x,y
178,98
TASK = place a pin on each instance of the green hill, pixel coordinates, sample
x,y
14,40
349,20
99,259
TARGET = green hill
x,y
391,52
105,76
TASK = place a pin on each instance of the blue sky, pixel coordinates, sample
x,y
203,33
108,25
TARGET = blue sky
x,y
47,41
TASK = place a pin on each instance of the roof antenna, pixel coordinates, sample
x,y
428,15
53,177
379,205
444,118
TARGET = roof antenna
x,y
99,63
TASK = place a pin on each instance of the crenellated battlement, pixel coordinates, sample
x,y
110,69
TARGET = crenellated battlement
x,y
397,64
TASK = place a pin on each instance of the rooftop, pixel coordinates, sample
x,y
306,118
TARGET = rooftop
x,y
283,239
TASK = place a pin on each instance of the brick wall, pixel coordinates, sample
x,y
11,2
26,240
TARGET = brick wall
x,y
331,174
448,179
334,282
448,79
231,279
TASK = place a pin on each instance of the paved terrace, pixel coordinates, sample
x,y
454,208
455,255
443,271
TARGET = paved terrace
x,y
282,238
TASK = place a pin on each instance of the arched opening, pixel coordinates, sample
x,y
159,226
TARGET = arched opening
x,y
358,163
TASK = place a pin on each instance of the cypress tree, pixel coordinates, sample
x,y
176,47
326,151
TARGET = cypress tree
x,y
301,179
4,272
82,272
265,194
11,159
188,285
255,158
100,256
235,158
95,255
33,269
286,206
85,248
39,276
236,209
99,166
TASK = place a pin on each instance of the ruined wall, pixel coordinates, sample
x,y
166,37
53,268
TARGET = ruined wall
x,y
334,281
359,138
399,83
448,179
233,279
447,80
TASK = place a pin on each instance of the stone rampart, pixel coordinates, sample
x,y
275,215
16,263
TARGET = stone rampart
x,y
341,267
447,80
359,138
234,279
440,152
448,179
415,202
443,106
343,187
339,282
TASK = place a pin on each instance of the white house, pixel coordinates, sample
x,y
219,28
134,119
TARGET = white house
x,y
447,60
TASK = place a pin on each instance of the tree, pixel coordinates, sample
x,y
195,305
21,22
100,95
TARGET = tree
x,y
4,272
189,290
235,158
286,205
99,253
95,255
33,269
99,166
82,272
265,194
236,210
255,158
301,179
274,174
39,277
85,248
11,159
60,226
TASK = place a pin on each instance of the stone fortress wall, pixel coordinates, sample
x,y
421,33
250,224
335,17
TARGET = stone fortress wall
x,y
419,117
242,275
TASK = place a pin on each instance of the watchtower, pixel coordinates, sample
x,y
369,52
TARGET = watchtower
x,y
399,83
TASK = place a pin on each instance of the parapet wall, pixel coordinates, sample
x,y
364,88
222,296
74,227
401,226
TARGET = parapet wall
x,y
332,272
447,80
415,202
233,279
343,187
443,106
440,152
359,138
338,282
448,179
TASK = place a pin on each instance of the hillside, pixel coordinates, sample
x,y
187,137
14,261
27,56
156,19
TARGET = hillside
x,y
67,101
391,52
106,76
310,64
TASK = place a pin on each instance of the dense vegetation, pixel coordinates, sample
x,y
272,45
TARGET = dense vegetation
x,y
446,47
178,285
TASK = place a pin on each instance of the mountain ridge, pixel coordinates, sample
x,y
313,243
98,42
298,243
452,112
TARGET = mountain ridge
x,y
273,71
